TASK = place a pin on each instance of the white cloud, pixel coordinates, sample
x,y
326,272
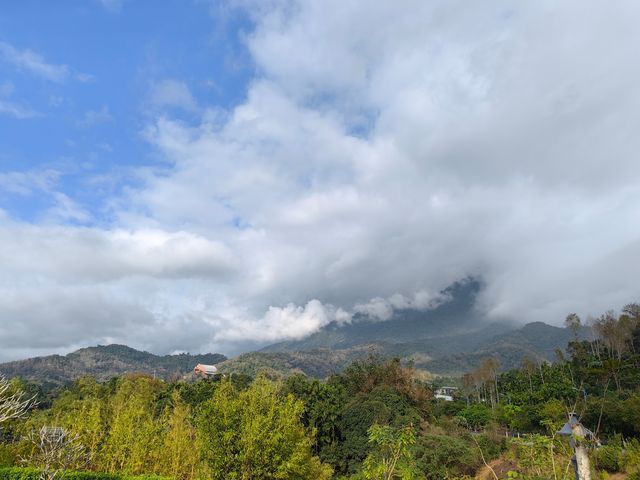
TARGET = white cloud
x,y
289,322
28,182
382,152
476,157
84,255
33,63
172,94
11,108
16,110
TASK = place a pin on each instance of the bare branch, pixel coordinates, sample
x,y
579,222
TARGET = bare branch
x,y
55,451
13,404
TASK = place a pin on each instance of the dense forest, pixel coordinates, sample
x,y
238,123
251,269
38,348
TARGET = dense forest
x,y
377,419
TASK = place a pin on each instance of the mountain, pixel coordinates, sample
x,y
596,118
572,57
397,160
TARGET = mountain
x,y
450,339
104,362
442,355
456,316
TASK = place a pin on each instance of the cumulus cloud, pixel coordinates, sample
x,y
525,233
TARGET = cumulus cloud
x,y
89,255
382,152
382,309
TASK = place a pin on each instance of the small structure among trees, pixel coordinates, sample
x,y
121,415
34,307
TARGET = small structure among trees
x,y
205,371
446,393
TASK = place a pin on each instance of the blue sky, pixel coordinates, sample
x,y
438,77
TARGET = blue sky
x,y
217,175
86,109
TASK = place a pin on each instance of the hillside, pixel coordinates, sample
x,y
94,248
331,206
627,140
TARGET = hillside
x,y
104,362
449,339
450,355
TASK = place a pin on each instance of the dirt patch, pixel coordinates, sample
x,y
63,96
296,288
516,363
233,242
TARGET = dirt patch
x,y
500,466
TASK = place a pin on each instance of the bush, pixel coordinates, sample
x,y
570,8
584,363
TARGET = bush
x,y
441,456
7,455
631,459
476,416
608,458
19,473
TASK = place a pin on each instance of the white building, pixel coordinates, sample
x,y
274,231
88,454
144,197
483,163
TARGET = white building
x,y
446,393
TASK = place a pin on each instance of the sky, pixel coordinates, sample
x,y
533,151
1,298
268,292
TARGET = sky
x,y
197,175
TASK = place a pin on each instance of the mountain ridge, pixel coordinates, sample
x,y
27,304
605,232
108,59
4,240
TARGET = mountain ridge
x,y
104,362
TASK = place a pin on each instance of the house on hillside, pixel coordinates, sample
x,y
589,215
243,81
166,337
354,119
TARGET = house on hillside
x,y
446,393
205,371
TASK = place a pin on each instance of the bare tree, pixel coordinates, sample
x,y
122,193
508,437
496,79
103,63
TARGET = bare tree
x,y
54,451
633,310
573,323
13,403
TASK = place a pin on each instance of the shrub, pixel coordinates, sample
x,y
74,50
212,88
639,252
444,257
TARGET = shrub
x,y
440,456
631,459
476,416
20,473
608,458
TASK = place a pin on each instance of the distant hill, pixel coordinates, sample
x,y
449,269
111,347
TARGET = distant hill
x,y
316,363
104,362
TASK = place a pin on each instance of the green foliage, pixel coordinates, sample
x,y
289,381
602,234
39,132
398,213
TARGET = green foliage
x,y
475,416
541,457
7,455
323,404
256,433
16,473
631,458
445,456
608,457
392,456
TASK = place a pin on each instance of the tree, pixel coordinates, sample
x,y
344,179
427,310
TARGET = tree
x,y
134,440
256,433
55,450
573,323
392,456
13,402
180,453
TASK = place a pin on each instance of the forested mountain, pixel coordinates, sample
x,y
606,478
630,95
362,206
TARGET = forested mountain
x,y
450,355
104,362
449,339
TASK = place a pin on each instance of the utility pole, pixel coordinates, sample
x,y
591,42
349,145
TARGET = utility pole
x,y
578,434
583,470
